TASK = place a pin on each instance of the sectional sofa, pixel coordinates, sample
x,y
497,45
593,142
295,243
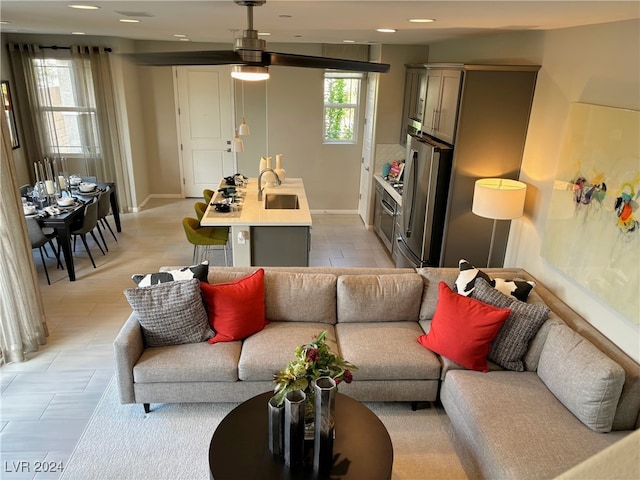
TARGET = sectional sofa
x,y
576,395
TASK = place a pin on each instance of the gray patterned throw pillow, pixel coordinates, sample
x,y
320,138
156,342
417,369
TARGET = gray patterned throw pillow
x,y
511,344
170,313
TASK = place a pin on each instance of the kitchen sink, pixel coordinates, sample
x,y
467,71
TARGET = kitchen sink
x,y
281,201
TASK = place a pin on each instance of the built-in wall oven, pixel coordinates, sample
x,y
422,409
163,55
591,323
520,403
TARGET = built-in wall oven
x,y
386,210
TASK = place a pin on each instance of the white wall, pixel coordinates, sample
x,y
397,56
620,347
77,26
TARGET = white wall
x,y
596,64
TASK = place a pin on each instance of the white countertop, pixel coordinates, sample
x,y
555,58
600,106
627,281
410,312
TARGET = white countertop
x,y
392,191
253,213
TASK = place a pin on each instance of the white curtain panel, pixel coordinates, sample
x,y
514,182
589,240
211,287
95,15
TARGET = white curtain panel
x,y
23,325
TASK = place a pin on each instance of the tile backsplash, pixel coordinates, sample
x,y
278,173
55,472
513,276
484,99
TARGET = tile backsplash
x,y
387,152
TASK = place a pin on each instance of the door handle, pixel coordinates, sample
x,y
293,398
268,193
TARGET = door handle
x,y
228,150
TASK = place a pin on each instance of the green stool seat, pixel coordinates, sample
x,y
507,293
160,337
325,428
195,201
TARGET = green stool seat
x,y
208,195
200,208
205,237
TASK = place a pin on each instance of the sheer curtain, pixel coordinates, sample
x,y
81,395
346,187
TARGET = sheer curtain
x,y
93,89
23,326
98,61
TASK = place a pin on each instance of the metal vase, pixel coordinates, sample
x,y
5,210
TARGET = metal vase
x,y
325,405
294,406
276,427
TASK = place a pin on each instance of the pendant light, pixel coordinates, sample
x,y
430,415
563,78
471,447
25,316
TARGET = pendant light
x,y
244,128
238,144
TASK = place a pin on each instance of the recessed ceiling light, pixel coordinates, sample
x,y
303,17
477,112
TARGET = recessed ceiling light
x,y
184,40
179,35
386,30
4,22
348,41
263,34
84,7
421,20
78,33
284,16
129,20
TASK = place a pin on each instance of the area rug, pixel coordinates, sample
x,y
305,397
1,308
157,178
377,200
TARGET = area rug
x,y
172,442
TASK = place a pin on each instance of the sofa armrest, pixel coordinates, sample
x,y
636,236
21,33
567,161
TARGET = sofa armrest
x,y
128,347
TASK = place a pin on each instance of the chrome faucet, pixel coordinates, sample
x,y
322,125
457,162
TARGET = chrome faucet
x,y
278,181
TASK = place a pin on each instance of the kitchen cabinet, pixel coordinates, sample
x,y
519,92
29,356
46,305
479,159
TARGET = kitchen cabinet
x,y
414,99
442,94
286,246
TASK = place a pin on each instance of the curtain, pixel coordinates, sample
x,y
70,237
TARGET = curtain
x,y
23,326
93,88
112,167
34,122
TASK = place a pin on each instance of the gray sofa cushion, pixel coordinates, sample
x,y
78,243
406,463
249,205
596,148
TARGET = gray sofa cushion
x,y
199,362
387,351
309,297
379,298
485,410
583,378
170,313
432,277
509,347
270,350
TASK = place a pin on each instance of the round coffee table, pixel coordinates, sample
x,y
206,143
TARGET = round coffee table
x,y
239,448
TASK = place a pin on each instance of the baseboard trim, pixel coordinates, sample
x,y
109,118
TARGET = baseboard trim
x,y
334,212
142,204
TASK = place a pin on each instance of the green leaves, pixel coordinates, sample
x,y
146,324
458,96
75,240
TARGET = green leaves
x,y
312,361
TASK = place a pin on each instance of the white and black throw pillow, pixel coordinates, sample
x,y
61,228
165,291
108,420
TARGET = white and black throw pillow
x,y
186,273
465,282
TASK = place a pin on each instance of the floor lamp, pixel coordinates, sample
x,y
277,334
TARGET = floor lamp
x,y
498,199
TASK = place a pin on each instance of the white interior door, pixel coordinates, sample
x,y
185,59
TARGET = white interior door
x,y
206,122
366,170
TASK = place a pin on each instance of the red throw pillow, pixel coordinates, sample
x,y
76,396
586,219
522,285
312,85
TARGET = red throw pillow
x,y
235,309
463,328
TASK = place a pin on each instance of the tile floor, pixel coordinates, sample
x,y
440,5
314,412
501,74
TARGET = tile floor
x,y
46,402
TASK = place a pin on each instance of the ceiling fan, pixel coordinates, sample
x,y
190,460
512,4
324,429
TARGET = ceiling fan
x,y
249,58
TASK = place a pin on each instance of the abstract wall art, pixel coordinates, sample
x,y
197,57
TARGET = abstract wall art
x,y
592,232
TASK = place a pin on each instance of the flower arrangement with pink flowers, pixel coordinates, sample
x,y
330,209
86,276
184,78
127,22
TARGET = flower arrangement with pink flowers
x,y
312,361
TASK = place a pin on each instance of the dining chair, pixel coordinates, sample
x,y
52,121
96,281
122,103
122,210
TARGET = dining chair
x,y
205,237
208,195
200,208
104,204
39,240
89,223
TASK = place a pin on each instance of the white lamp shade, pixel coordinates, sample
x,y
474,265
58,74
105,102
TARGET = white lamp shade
x,y
238,144
244,128
498,198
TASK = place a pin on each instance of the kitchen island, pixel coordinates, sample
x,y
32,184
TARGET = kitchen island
x,y
264,236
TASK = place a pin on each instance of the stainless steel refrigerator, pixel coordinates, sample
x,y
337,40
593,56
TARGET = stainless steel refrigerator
x,y
427,174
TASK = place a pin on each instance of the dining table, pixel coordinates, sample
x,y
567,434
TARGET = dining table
x,y
62,223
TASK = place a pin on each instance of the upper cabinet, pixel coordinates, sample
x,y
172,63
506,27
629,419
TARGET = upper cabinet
x,y
441,104
415,88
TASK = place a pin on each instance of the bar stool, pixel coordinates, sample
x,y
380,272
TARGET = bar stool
x,y
205,237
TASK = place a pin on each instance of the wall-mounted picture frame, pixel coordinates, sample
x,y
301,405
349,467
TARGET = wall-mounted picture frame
x,y
9,113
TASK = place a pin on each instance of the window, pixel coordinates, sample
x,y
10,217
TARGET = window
x,y
70,116
341,106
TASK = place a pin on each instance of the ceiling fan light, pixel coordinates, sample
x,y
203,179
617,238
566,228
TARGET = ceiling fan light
x,y
250,72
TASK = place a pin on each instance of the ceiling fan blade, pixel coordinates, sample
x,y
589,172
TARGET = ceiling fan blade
x,y
308,61
207,57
